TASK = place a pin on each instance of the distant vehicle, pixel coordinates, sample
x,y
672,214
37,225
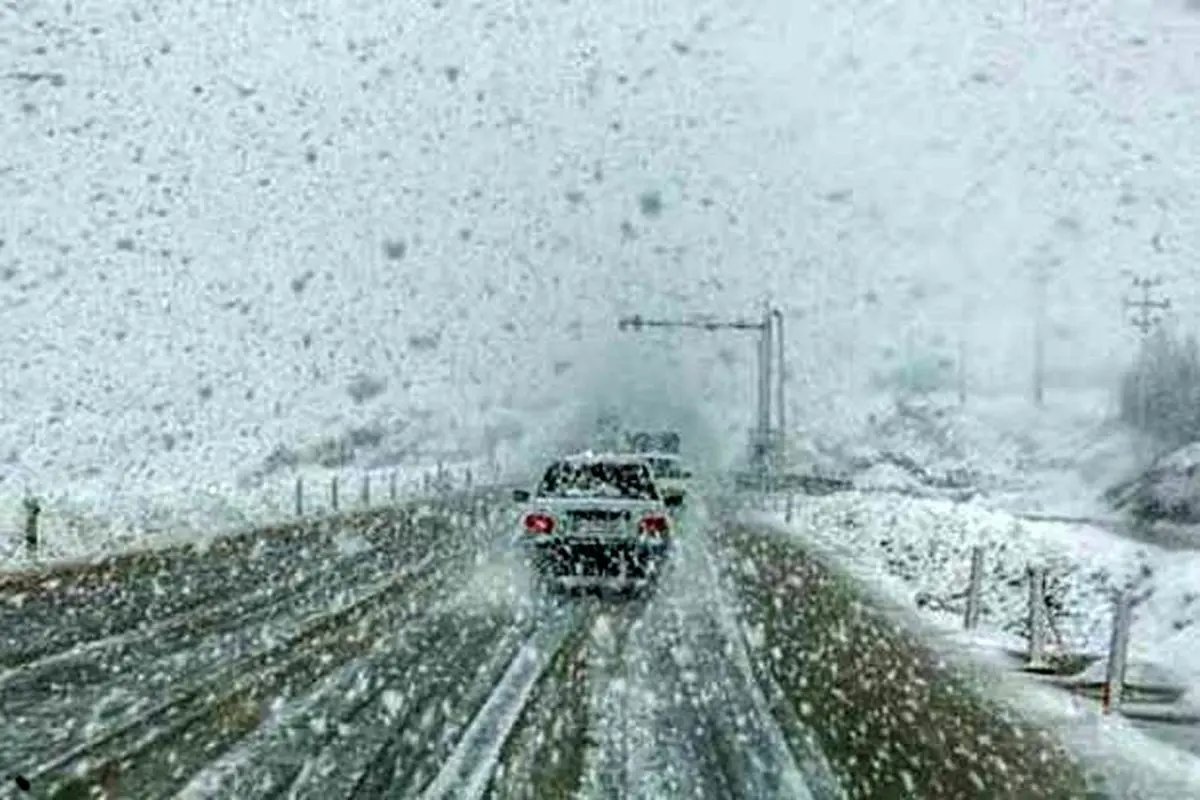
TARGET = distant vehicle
x,y
653,442
596,519
670,475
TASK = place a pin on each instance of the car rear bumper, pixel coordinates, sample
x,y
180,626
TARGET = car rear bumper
x,y
575,556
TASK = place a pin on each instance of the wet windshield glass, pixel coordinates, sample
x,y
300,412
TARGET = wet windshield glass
x,y
626,481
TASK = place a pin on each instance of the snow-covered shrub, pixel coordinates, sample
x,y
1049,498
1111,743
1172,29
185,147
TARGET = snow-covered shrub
x,y
1168,491
919,375
1169,366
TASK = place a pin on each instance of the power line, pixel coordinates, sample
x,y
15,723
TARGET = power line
x,y
638,323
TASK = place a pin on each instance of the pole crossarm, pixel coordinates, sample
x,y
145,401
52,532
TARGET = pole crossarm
x,y
1144,318
638,322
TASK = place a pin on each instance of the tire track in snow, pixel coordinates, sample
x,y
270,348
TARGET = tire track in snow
x,y
381,722
394,745
121,594
674,701
710,649
200,720
806,773
617,703
468,771
131,656
331,739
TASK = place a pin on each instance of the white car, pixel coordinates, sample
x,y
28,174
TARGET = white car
x,y
672,478
594,518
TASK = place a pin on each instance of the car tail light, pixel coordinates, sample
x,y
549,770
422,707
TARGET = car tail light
x,y
539,523
653,524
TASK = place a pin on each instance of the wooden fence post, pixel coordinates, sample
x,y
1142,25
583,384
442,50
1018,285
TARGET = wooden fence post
x,y
33,507
1037,617
1118,653
974,589
333,493
299,496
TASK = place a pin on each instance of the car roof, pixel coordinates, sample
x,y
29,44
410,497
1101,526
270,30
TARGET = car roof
x,y
611,458
661,456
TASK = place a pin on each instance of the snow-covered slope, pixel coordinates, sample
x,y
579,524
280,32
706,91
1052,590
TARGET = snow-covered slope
x,y
231,228
998,450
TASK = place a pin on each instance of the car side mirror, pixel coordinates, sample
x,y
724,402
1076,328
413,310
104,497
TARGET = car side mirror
x,y
673,500
521,495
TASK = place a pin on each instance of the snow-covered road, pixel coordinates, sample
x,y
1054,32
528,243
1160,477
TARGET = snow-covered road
x,y
404,654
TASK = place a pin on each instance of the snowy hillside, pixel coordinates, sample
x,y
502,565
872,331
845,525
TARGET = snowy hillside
x,y
999,451
234,231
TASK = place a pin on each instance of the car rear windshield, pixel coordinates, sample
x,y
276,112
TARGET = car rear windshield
x,y
598,479
666,468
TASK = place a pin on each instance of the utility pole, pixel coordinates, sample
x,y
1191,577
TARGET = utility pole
x,y
964,318
966,213
781,381
769,328
1041,279
1146,317
765,367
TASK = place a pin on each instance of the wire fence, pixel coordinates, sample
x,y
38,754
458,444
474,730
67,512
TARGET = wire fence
x,y
38,529
1047,655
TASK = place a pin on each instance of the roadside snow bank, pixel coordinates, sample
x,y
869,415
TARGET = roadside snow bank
x,y
1164,499
921,550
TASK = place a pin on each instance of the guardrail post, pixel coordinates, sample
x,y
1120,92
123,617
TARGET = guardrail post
x,y
392,486
333,492
299,496
974,589
366,491
787,511
1037,616
467,479
33,507
1118,653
